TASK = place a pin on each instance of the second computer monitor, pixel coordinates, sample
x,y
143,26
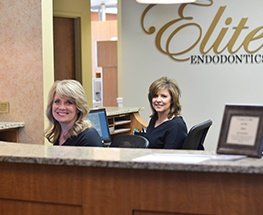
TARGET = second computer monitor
x,y
99,121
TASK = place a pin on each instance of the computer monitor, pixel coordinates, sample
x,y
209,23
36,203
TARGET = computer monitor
x,y
99,121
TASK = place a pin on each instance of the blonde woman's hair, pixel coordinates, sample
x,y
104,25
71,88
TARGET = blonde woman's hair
x,y
75,92
171,85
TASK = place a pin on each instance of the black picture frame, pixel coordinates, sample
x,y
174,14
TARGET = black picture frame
x,y
241,130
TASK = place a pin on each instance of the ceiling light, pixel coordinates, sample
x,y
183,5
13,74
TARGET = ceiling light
x,y
165,1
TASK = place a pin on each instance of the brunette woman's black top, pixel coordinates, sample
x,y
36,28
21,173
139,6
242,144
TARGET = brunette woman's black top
x,y
168,135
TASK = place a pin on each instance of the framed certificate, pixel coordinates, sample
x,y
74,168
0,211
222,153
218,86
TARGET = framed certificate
x,y
241,131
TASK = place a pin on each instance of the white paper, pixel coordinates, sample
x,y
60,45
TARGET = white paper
x,y
243,130
186,158
173,158
227,157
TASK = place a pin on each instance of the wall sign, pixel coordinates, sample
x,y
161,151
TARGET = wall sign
x,y
226,40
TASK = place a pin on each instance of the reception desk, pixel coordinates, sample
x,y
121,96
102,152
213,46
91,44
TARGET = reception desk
x,y
9,131
39,179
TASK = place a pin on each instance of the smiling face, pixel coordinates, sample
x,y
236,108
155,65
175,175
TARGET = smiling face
x,y
64,110
161,101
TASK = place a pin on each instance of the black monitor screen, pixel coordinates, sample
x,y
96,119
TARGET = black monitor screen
x,y
99,121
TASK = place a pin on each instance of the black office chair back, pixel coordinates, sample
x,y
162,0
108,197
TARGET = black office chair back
x,y
129,141
196,136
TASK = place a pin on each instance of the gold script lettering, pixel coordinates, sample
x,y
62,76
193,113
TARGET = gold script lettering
x,y
167,34
251,37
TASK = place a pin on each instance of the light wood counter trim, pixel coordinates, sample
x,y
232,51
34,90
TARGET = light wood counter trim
x,y
138,121
124,120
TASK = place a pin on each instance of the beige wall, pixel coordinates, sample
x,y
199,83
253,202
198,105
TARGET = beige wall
x,y
26,59
21,66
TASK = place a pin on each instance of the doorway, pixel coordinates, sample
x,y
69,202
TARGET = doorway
x,y
104,52
67,63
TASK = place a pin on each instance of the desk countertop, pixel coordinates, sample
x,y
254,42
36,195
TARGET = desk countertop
x,y
111,111
9,125
121,158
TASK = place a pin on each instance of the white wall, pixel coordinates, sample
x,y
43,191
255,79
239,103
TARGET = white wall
x,y
205,87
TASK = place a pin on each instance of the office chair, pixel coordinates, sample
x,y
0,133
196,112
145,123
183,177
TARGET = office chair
x,y
129,141
196,136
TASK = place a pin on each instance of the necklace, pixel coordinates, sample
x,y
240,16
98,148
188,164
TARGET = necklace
x,y
160,121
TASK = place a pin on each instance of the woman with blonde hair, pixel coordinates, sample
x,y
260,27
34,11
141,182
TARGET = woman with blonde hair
x,y
67,112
